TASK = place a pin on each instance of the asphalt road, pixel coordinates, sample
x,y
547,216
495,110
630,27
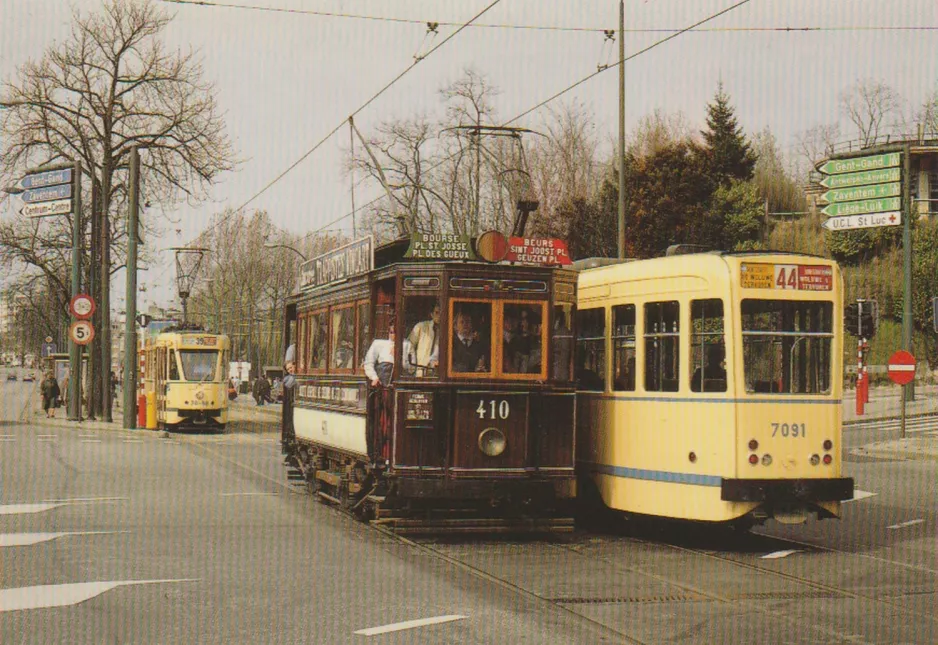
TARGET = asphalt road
x,y
199,538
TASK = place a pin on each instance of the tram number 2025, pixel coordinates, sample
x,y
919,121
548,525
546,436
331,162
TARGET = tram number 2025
x,y
793,430
493,409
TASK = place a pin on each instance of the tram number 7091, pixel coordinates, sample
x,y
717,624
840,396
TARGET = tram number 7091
x,y
793,430
493,409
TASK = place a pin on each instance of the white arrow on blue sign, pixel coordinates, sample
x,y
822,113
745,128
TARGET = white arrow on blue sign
x,y
47,194
49,178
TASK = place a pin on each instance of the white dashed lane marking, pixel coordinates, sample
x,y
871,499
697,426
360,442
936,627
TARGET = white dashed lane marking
x,y
780,554
902,525
409,624
860,494
25,509
247,494
63,595
29,539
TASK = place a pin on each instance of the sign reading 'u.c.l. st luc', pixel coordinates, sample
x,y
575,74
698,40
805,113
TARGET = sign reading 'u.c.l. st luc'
x,y
350,260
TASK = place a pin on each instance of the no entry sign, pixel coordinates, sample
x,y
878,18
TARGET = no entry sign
x,y
901,367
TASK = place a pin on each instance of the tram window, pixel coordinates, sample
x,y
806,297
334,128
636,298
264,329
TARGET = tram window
x,y
522,345
173,367
364,331
591,349
198,365
562,342
662,346
471,349
422,328
708,350
342,348
787,346
317,324
623,348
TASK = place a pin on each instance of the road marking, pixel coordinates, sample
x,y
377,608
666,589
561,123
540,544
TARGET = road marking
x,y
409,624
29,539
7,438
244,494
780,554
91,441
63,595
860,494
133,440
24,509
902,525
85,500
87,436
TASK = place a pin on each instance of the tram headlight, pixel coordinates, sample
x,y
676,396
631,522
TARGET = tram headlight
x,y
200,395
492,442
767,459
815,460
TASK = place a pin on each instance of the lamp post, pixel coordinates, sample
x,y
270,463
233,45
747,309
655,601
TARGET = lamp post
x,y
268,245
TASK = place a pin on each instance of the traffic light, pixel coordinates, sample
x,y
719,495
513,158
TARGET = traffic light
x,y
852,319
869,318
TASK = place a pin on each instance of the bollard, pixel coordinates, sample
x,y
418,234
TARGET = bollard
x,y
151,411
142,411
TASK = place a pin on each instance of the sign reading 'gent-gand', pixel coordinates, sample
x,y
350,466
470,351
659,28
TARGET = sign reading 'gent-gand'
x,y
350,260
800,277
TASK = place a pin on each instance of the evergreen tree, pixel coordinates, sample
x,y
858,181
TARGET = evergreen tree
x,y
729,153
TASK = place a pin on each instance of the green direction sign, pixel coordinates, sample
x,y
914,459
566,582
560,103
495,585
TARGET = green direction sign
x,y
857,164
862,192
862,178
864,206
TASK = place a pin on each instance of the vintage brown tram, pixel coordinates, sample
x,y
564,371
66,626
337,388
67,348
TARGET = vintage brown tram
x,y
474,429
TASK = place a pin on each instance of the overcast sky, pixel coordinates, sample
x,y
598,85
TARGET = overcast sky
x,y
286,79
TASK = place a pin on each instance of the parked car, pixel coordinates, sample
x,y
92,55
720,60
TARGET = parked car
x,y
11,376
29,378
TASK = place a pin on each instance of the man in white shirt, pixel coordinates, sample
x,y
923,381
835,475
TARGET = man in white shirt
x,y
425,338
379,360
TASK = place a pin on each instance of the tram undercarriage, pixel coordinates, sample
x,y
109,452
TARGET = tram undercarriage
x,y
411,505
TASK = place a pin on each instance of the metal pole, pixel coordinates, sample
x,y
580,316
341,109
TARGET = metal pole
x,y
621,237
907,263
74,350
130,322
351,138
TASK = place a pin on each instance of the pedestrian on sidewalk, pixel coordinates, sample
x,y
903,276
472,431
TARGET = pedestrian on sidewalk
x,y
50,395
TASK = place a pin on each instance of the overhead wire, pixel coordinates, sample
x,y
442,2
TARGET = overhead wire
x,y
631,30
362,107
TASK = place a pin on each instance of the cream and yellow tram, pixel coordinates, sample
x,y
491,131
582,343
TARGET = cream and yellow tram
x,y
474,429
186,370
709,386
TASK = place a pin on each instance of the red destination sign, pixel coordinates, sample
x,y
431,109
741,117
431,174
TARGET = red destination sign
x,y
538,250
815,277
901,367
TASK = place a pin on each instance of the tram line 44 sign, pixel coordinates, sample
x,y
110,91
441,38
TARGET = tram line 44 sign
x,y
798,277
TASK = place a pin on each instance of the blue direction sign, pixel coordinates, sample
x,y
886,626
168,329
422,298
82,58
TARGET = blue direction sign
x,y
48,349
47,194
48,178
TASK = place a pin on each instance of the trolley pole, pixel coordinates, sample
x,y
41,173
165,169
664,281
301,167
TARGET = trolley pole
x,y
621,236
130,322
74,349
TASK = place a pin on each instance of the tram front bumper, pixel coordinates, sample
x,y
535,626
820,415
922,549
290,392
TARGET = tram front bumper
x,y
786,490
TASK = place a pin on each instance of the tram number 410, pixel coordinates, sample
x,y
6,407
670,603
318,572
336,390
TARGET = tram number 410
x,y
793,430
493,409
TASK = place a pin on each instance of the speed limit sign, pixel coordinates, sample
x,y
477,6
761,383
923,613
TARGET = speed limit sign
x,y
81,306
81,332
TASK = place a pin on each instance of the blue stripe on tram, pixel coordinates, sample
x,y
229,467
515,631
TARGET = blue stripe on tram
x,y
654,475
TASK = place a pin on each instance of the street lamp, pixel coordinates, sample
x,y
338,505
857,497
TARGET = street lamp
x,y
268,245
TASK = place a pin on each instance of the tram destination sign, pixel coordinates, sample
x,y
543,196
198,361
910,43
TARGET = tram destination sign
x,y
440,246
858,164
863,178
875,191
863,206
856,222
350,260
538,250
798,277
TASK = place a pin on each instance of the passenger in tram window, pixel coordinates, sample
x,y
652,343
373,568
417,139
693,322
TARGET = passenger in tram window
x,y
531,332
379,361
510,350
425,339
470,351
712,376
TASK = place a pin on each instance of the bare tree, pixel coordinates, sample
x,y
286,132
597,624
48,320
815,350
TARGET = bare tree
x,y
870,104
111,85
817,144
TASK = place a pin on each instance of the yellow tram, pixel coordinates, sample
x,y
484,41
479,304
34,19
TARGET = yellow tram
x,y
186,370
473,427
709,386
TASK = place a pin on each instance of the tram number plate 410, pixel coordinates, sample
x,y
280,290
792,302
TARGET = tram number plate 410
x,y
493,409
793,430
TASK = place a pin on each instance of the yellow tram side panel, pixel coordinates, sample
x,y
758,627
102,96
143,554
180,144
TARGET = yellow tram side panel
x,y
645,439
